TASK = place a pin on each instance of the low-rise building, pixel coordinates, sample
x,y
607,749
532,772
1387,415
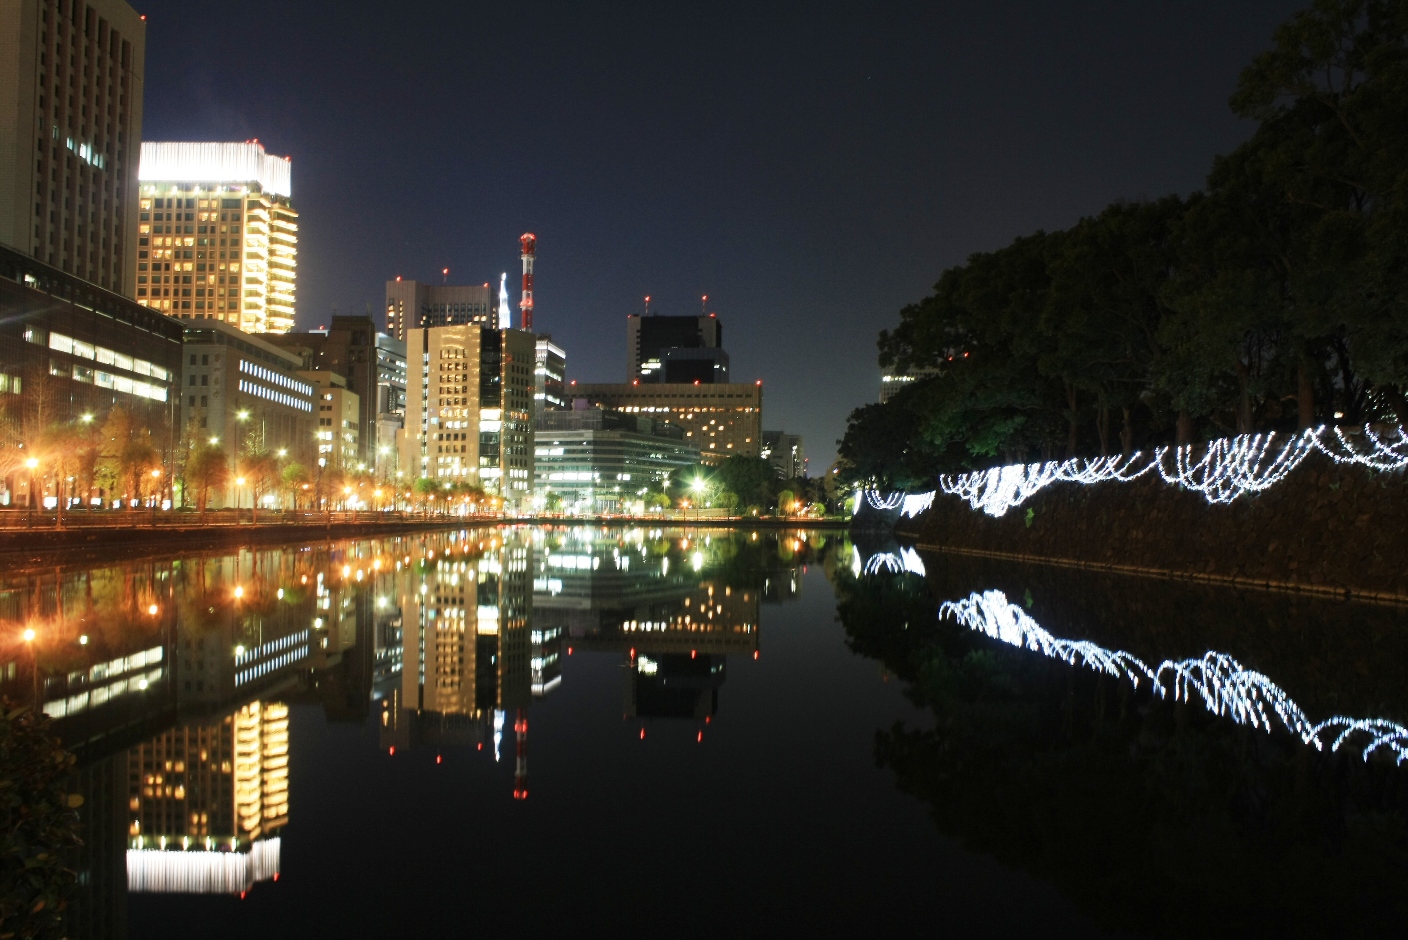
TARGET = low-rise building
x,y
600,461
71,351
245,394
721,420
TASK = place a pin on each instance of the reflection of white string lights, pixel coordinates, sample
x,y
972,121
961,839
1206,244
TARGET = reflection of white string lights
x,y
1228,468
1226,688
889,563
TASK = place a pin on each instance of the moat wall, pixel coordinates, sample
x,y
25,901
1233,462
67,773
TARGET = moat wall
x,y
1326,528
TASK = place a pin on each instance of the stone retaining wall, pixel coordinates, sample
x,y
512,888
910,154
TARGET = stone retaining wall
x,y
1327,528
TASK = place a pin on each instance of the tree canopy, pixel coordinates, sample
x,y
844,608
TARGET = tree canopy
x,y
1275,298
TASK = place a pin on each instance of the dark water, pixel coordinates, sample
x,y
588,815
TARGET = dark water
x,y
705,732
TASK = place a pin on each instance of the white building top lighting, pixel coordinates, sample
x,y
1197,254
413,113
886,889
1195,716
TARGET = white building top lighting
x,y
169,162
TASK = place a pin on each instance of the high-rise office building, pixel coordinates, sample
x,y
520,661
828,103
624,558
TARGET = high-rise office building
x,y
549,376
70,125
675,349
469,409
786,454
601,461
217,237
374,367
411,305
892,382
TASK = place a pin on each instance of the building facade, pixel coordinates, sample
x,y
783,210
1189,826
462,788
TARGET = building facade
x,y
71,74
373,366
892,382
411,305
71,352
648,338
602,461
786,454
549,376
246,394
469,409
339,416
720,420
217,237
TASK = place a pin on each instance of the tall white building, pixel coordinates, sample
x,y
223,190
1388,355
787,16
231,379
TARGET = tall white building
x,y
217,235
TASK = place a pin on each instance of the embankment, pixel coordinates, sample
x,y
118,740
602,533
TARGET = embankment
x,y
1327,528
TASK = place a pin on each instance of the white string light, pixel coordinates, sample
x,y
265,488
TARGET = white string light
x,y
889,563
1227,468
1225,686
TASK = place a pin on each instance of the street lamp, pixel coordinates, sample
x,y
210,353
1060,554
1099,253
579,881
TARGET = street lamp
x,y
32,463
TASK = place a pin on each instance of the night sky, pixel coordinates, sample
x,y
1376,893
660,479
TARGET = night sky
x,y
811,168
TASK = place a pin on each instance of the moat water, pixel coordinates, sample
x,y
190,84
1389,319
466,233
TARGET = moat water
x,y
707,732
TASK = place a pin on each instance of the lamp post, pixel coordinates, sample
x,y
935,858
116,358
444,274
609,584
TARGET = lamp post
x,y
31,464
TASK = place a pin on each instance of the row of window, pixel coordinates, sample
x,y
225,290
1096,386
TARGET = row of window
x,y
274,378
76,347
275,396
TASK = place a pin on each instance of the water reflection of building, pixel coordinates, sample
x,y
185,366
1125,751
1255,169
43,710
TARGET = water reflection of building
x,y
648,601
207,802
466,652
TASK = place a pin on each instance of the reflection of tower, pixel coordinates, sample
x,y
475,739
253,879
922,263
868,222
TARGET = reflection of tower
x,y
520,765
529,242
207,802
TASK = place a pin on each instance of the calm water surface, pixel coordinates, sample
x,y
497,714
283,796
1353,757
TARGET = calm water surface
x,y
706,732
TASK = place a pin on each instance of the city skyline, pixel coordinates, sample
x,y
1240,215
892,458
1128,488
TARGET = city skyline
x,y
786,224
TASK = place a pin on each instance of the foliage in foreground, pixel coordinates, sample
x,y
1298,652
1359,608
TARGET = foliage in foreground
x,y
38,825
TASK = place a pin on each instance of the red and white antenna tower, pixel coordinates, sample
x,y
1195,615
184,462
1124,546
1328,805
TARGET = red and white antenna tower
x,y
529,242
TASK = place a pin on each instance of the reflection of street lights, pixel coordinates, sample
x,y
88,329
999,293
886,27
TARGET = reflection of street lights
x,y
31,463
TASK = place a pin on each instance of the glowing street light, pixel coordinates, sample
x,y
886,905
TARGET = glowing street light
x,y
214,441
31,463
239,592
29,635
242,414
153,610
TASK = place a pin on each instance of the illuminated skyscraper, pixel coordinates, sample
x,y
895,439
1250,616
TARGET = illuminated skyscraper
x,y
70,124
411,305
217,237
207,803
469,408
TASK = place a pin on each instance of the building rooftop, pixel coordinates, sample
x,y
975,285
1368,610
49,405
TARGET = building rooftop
x,y
171,162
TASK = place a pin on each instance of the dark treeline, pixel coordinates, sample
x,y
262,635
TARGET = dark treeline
x,y
1274,299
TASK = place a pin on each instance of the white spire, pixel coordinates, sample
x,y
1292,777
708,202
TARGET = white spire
x,y
505,322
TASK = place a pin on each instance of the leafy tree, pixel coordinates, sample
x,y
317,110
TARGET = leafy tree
x,y
207,468
296,479
261,474
38,825
751,478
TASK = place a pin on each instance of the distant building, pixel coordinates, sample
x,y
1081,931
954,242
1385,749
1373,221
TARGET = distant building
x,y
245,393
339,413
70,349
469,408
603,461
218,235
720,420
549,376
785,452
652,340
411,305
71,85
373,365
892,382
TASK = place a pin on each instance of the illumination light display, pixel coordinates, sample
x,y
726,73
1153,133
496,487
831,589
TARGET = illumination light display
x,y
1228,468
1226,688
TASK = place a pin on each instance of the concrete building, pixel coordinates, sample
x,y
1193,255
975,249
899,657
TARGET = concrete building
x,y
649,337
892,382
411,305
549,376
786,453
246,393
469,409
218,235
71,351
602,461
70,125
339,416
373,366
720,420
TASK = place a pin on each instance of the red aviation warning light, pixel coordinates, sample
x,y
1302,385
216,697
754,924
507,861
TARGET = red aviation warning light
x,y
529,244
